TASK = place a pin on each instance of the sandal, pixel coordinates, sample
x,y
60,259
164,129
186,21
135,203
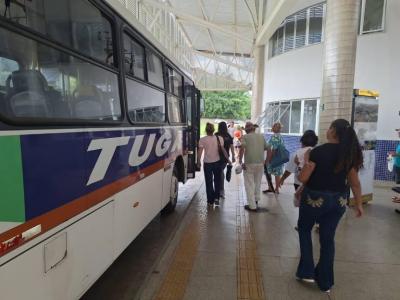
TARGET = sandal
x,y
396,199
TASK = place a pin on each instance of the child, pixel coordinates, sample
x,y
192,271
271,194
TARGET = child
x,y
297,161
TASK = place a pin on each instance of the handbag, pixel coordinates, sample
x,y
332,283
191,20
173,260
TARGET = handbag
x,y
228,172
223,156
280,157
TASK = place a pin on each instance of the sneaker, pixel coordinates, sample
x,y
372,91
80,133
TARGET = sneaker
x,y
216,202
306,280
268,191
247,207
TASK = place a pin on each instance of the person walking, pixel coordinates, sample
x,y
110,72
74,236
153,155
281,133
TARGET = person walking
x,y
253,148
231,129
228,146
275,142
328,171
209,144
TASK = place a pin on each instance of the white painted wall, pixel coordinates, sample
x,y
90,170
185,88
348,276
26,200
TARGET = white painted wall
x,y
298,74
378,68
295,74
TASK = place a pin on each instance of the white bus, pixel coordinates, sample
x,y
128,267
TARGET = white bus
x,y
97,127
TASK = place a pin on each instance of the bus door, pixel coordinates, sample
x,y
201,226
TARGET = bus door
x,y
193,134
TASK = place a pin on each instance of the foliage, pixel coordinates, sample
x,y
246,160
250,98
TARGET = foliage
x,y
227,105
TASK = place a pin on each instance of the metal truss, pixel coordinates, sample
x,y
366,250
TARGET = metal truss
x,y
219,55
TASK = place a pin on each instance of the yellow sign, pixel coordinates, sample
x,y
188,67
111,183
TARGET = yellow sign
x,y
366,93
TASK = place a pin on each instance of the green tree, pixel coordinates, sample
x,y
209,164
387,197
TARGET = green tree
x,y
227,105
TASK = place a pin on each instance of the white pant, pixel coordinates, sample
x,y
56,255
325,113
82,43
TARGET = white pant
x,y
252,183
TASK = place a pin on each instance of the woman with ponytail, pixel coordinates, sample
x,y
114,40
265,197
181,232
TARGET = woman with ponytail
x,y
331,169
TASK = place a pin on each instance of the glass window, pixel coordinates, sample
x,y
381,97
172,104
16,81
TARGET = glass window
x,y
74,23
133,57
175,110
373,15
315,25
145,104
289,34
310,115
155,69
7,66
295,117
279,47
273,44
301,28
175,82
50,84
284,116
189,99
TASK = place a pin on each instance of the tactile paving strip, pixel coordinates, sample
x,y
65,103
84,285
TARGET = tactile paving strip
x,y
177,277
249,276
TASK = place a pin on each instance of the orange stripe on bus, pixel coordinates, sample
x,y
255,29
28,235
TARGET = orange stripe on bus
x,y
63,213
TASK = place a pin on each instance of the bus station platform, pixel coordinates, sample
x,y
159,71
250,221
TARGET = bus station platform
x,y
226,252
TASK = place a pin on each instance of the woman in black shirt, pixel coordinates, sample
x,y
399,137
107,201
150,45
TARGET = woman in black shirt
x,y
228,145
331,168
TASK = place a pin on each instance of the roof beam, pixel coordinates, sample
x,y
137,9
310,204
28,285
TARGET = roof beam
x,y
226,53
260,17
253,23
276,17
184,17
221,60
203,11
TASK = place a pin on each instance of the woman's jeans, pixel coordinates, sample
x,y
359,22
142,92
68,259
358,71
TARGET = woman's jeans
x,y
326,209
212,175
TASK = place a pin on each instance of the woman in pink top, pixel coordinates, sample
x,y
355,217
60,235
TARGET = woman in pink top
x,y
212,163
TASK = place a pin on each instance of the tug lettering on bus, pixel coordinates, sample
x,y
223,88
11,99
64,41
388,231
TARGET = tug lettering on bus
x,y
108,147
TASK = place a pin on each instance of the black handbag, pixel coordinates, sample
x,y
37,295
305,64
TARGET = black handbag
x,y
223,156
228,172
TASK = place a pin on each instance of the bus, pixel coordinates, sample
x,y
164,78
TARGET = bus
x,y
97,129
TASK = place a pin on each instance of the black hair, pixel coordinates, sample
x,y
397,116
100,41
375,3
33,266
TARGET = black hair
x,y
309,139
222,129
350,153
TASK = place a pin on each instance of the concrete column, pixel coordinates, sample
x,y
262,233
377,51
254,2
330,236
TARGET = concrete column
x,y
341,30
258,83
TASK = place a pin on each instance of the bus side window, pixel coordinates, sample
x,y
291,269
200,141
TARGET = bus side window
x,y
54,85
74,23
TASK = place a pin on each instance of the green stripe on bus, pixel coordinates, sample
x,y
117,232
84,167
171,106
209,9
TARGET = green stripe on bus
x,y
12,204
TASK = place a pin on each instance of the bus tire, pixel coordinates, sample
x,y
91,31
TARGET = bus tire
x,y
173,192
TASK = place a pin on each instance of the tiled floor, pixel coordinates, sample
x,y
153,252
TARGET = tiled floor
x,y
367,252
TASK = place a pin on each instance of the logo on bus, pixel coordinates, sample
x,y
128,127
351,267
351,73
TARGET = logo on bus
x,y
108,146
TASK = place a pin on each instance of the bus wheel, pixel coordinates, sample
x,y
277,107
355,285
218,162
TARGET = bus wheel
x,y
173,192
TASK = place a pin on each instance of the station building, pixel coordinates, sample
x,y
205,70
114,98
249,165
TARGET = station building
x,y
294,70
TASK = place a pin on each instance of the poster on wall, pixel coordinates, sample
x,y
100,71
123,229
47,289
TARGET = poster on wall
x,y
365,117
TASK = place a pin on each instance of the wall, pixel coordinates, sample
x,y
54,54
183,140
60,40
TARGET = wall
x,y
378,68
293,75
298,74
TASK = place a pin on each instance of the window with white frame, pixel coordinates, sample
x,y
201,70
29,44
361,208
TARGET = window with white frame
x,y
296,116
298,30
372,16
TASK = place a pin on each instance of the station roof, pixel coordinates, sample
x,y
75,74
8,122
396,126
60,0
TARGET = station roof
x,y
221,35
214,40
